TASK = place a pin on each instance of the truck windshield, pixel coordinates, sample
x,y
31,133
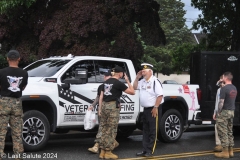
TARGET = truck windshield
x,y
45,68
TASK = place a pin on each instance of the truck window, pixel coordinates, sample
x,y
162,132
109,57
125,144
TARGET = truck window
x,y
45,68
102,66
87,64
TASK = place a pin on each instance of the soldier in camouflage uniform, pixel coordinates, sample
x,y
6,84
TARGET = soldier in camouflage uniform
x,y
225,116
95,148
110,108
12,81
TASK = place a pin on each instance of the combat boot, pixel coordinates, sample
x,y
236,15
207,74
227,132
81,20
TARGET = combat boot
x,y
110,155
116,144
102,154
223,154
231,154
95,148
218,148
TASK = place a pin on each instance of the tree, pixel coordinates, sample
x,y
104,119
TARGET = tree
x,y
220,21
96,27
173,23
168,57
182,57
159,57
6,5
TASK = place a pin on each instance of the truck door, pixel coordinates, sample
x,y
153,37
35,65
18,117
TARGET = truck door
x,y
74,102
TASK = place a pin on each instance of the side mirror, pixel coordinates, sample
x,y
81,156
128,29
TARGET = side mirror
x,y
81,74
66,86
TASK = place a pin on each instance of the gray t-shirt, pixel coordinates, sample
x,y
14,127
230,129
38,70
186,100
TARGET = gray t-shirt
x,y
228,93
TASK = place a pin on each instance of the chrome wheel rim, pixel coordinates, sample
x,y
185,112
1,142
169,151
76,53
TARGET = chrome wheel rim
x,y
172,126
33,131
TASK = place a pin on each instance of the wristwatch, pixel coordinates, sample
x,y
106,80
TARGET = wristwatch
x,y
155,106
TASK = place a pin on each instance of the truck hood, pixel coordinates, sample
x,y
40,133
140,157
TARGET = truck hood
x,y
34,79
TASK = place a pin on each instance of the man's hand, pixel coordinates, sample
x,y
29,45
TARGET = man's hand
x,y
99,113
126,77
154,112
214,116
139,74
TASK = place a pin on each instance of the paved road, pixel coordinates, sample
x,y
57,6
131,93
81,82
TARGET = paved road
x,y
196,144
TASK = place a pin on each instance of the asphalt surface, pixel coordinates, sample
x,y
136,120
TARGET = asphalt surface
x,y
195,144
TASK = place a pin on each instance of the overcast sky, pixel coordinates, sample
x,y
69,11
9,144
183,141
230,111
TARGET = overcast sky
x,y
191,15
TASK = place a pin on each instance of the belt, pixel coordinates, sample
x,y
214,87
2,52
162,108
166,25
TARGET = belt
x,y
146,108
110,102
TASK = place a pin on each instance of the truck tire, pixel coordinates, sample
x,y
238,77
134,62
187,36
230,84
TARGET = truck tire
x,y
170,126
36,130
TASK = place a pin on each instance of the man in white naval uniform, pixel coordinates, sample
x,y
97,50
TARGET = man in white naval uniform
x,y
151,96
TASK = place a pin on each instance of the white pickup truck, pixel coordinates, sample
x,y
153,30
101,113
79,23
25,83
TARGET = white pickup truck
x,y
60,89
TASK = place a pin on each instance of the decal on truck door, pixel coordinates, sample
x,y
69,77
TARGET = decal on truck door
x,y
127,108
76,105
190,93
127,105
185,88
180,90
72,97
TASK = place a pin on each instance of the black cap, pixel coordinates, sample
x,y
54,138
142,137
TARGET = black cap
x,y
118,69
108,73
147,66
13,54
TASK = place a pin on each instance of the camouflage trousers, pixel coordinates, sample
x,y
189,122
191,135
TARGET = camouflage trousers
x,y
11,113
224,127
109,124
99,133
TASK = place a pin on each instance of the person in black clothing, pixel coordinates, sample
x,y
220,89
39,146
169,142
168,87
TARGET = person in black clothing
x,y
13,81
109,111
95,148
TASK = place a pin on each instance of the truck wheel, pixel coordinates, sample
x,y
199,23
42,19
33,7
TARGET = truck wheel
x,y
36,130
124,132
171,126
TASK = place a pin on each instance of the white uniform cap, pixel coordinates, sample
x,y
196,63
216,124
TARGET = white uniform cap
x,y
147,66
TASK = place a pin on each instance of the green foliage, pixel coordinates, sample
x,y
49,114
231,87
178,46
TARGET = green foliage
x,y
220,20
138,31
3,61
6,5
167,59
159,57
173,23
181,57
